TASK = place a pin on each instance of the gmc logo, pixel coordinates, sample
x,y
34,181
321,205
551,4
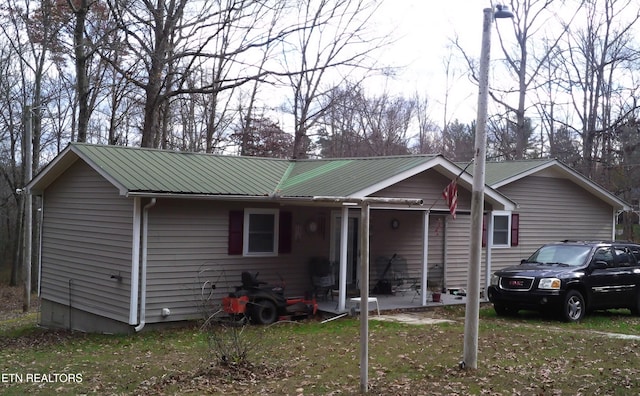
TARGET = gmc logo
x,y
516,283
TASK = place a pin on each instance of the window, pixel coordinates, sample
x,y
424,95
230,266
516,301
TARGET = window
x,y
261,236
505,229
501,229
624,256
604,254
250,233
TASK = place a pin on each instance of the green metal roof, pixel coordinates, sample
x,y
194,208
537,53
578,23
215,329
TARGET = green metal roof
x,y
497,172
142,171
151,171
344,177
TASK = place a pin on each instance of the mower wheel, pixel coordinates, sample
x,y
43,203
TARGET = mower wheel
x,y
264,312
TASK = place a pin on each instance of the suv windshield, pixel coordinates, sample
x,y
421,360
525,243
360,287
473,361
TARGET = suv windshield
x,y
561,254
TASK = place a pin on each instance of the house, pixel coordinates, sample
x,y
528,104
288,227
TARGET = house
x,y
133,238
555,203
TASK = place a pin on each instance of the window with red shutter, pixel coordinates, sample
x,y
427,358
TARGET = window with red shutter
x,y
515,229
236,225
286,233
253,232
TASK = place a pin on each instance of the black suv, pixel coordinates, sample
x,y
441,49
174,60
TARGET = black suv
x,y
571,278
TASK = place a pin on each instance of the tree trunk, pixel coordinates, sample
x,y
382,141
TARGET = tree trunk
x,y
82,83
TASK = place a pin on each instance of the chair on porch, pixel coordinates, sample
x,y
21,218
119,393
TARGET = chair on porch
x,y
322,277
394,270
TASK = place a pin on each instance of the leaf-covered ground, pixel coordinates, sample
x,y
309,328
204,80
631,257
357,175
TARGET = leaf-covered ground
x,y
11,301
524,355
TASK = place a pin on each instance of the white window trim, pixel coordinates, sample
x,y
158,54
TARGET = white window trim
x,y
500,213
245,236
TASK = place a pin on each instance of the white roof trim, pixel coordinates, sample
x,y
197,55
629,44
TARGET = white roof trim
x,y
448,169
60,164
574,176
525,174
123,190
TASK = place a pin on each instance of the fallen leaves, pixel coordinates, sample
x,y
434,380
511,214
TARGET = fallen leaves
x,y
516,357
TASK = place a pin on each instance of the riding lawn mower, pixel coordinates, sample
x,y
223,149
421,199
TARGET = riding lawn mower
x,y
264,304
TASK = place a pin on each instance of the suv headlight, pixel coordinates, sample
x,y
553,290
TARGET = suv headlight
x,y
549,283
495,280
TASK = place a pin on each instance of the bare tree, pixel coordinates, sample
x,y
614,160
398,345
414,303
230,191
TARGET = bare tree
x,y
428,138
10,159
335,41
168,40
29,31
248,103
80,9
360,125
597,57
458,141
385,122
523,62
339,126
265,138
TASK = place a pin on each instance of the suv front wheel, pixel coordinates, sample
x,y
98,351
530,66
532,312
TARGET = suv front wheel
x,y
504,310
573,307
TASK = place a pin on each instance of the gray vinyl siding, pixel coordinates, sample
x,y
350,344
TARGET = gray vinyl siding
x,y
552,209
458,239
427,186
188,248
407,242
86,238
445,233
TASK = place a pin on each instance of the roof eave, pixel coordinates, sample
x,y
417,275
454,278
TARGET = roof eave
x,y
576,177
59,165
50,172
528,172
448,169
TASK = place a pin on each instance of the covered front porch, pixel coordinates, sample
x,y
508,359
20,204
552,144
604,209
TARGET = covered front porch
x,y
399,301
399,234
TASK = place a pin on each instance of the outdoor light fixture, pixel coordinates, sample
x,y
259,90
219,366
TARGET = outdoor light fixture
x,y
472,311
502,12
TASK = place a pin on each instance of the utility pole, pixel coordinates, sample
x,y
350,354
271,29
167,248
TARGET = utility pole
x,y
28,215
364,297
472,311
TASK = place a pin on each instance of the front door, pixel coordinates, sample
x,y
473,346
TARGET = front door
x,y
353,246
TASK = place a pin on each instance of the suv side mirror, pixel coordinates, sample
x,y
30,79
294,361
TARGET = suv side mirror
x,y
600,264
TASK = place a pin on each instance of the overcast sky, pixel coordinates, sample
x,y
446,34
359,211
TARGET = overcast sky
x,y
424,29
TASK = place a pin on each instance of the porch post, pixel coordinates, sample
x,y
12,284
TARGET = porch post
x,y
342,278
487,277
364,298
425,257
445,251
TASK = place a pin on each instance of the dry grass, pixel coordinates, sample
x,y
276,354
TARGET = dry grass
x,y
525,355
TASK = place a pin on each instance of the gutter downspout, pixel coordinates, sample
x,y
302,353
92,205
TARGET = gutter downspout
x,y
143,272
135,263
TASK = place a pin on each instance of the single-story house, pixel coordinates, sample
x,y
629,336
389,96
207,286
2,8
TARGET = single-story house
x,y
136,237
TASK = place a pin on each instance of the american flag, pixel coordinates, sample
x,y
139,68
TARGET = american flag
x,y
450,195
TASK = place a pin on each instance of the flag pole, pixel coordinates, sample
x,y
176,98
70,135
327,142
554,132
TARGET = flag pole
x,y
455,180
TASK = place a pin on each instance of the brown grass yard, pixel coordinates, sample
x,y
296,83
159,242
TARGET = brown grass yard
x,y
525,355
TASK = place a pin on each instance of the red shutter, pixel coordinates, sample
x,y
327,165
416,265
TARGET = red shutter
x,y
285,232
236,224
484,230
515,229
